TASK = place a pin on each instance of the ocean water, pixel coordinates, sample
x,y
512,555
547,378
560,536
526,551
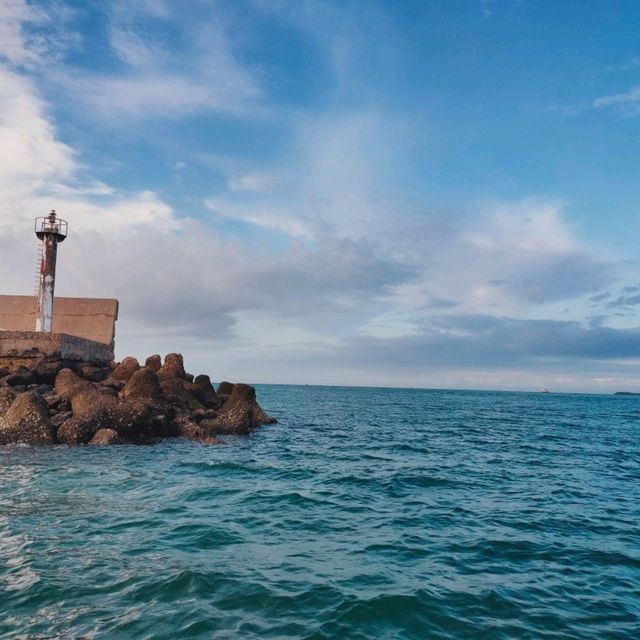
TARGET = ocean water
x,y
366,513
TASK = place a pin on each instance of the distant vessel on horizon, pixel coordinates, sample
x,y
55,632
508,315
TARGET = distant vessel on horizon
x,y
545,390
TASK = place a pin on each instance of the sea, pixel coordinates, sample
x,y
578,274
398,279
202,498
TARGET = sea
x,y
364,513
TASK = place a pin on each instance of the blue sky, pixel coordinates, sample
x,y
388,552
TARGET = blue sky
x,y
388,193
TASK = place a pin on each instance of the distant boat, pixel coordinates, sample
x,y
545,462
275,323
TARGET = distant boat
x,y
545,390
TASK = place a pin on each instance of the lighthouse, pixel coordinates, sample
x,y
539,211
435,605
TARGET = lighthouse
x,y
82,330
50,230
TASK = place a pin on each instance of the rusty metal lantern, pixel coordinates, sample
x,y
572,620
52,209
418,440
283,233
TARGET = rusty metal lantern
x,y
51,225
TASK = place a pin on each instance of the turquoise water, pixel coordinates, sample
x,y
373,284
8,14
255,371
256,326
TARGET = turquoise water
x,y
366,513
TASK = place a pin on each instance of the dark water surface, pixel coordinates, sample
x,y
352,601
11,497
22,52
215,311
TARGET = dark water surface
x,y
367,513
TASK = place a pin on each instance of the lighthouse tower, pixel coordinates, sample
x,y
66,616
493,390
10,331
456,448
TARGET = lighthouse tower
x,y
50,230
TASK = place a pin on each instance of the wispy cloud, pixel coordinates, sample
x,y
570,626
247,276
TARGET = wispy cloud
x,y
628,103
33,35
159,96
16,44
629,65
156,81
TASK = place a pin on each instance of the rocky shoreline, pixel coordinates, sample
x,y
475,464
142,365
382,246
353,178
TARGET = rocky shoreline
x,y
58,402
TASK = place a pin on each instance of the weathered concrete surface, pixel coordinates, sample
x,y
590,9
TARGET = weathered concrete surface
x,y
90,318
22,348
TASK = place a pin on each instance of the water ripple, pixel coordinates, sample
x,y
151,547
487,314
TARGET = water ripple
x,y
367,513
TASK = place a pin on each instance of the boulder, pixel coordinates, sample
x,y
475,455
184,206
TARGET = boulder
x,y
125,370
91,412
239,414
174,364
90,403
143,384
108,390
7,396
45,371
40,389
21,378
175,388
184,427
57,419
106,436
112,385
132,418
94,410
57,403
153,362
26,421
90,372
224,391
84,402
204,414
76,431
170,384
68,384
202,390
161,426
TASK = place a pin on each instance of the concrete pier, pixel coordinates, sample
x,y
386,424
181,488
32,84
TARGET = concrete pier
x,y
89,318
23,348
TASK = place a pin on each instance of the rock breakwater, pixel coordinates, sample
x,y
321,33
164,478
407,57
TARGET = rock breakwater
x,y
58,402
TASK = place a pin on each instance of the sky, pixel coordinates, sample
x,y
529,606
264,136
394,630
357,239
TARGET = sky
x,y
386,193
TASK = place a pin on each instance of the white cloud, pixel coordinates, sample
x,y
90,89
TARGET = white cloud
x,y
37,170
133,50
15,44
31,157
503,258
163,82
253,182
150,95
628,102
334,181
33,35
268,215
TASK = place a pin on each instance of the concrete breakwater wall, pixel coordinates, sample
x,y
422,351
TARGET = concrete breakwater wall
x,y
90,318
22,348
